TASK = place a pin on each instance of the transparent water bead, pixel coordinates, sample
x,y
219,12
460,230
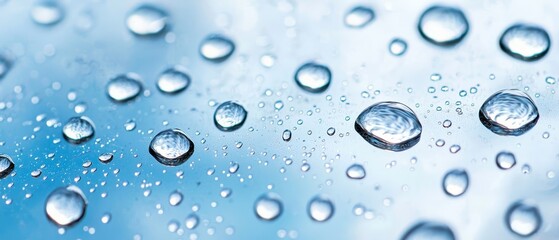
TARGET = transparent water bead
x,y
456,182
509,112
147,20
356,171
313,77
359,16
397,47
229,116
171,147
106,157
429,231
525,42
78,130
173,80
523,218
320,208
442,25
389,125
505,160
47,13
66,205
124,87
175,198
268,207
191,221
216,48
6,165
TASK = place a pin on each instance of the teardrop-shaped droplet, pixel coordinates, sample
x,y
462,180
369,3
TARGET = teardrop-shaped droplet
x,y
191,221
523,218
229,116
147,20
397,47
525,42
359,16
456,182
356,171
171,147
509,112
505,160
173,80
66,205
313,77
442,25
175,198
320,208
47,13
389,125
217,48
268,207
78,130
429,231
124,87
6,165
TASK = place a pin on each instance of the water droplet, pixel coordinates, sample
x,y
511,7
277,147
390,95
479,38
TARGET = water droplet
x,y
397,47
313,77
130,125
66,205
268,207
505,160
526,169
171,147
229,116
47,13
147,20
226,192
359,16
286,136
175,198
173,80
173,226
447,123
6,165
320,208
444,26
78,130
550,80
389,125
331,131
106,218
456,182
268,60
523,218
217,48
106,157
192,221
429,231
455,148
525,42
355,171
124,87
509,112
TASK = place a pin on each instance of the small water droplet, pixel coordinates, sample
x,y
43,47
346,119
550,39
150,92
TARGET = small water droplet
x,y
66,205
173,80
147,20
355,171
509,112
505,160
525,42
229,116
456,182
192,221
444,26
268,207
320,208
397,47
106,218
78,130
47,13
313,77
106,157
171,147
216,48
6,165
429,231
359,16
124,87
175,198
331,131
286,136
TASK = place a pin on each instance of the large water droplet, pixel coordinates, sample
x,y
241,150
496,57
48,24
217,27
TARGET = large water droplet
x,y
47,13
173,80
6,165
147,20
217,48
229,116
456,182
359,17
523,219
268,207
124,87
389,125
444,26
313,77
429,231
171,147
78,130
505,160
66,205
525,42
509,112
320,208
355,171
